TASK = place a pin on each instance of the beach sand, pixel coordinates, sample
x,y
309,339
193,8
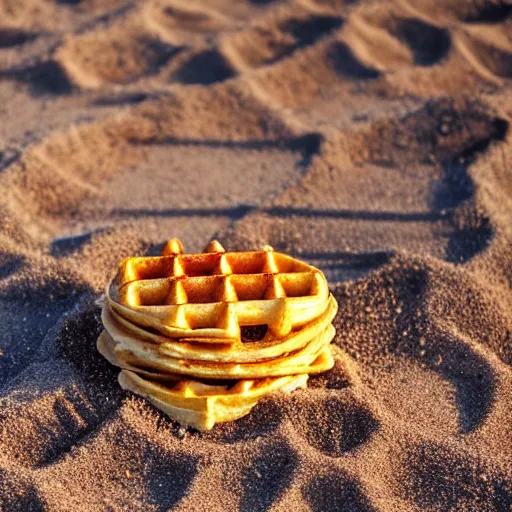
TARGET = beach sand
x,y
370,139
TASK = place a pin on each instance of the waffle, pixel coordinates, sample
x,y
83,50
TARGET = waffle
x,y
126,334
202,405
313,358
207,297
182,325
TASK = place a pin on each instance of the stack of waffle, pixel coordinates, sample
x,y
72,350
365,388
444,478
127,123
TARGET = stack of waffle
x,y
205,336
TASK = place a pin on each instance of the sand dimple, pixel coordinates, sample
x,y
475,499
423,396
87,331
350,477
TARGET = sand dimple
x,y
278,36
428,44
267,476
13,37
335,491
265,419
370,139
46,78
332,423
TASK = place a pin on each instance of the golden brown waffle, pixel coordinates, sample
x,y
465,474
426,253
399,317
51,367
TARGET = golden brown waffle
x,y
208,297
181,326
313,358
202,405
126,334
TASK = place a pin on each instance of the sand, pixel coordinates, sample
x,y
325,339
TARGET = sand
x,y
371,139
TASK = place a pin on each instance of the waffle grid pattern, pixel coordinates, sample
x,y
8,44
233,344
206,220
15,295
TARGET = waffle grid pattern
x,y
222,291
208,264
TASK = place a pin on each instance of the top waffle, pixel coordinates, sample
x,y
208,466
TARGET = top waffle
x,y
208,297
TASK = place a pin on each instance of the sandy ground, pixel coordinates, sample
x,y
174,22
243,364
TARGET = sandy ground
x,y
370,139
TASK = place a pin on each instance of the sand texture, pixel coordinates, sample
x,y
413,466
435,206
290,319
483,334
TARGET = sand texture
x,y
370,139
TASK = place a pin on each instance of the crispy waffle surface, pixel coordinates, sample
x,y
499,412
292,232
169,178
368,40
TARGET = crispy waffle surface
x,y
209,296
181,325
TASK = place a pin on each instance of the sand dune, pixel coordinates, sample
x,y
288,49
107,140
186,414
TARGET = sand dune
x,y
371,139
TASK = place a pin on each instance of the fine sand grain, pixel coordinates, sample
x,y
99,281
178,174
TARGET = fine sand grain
x,y
369,138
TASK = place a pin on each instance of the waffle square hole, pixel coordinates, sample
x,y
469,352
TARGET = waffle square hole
x,y
202,290
286,264
251,287
135,269
200,264
146,293
247,263
299,284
